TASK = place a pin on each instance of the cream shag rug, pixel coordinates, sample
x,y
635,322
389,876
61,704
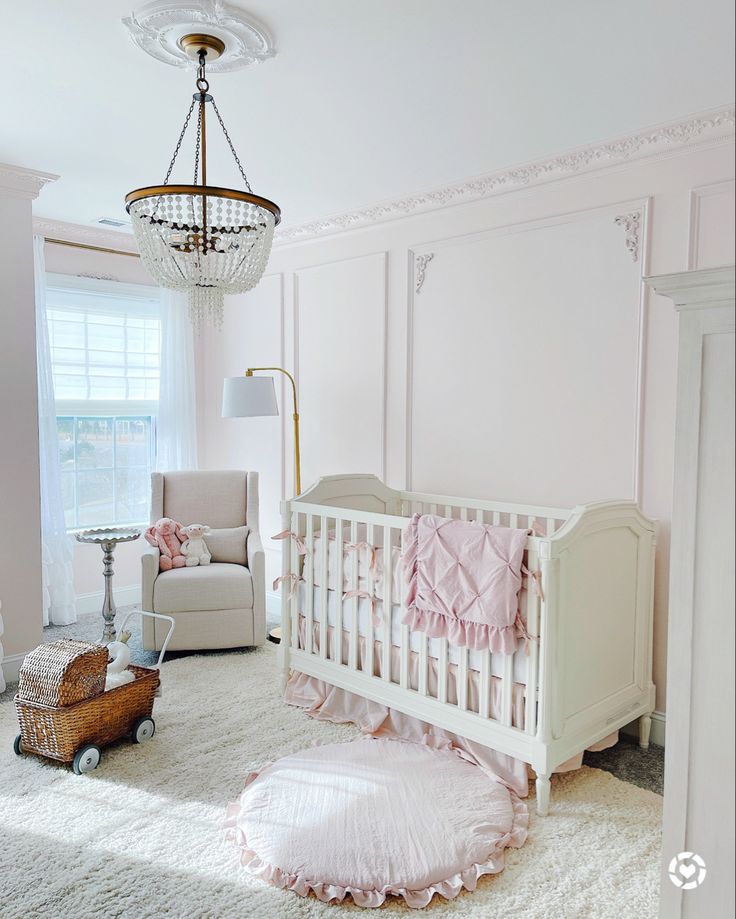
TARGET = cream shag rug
x,y
141,836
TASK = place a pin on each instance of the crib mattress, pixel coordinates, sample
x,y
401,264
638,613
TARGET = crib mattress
x,y
521,659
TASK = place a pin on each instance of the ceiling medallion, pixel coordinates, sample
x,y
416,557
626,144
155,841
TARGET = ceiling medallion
x,y
158,28
203,239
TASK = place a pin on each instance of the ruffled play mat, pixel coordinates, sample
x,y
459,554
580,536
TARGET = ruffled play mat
x,y
374,818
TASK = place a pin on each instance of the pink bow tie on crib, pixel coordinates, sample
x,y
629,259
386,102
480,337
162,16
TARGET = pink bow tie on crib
x,y
285,534
293,578
362,594
356,546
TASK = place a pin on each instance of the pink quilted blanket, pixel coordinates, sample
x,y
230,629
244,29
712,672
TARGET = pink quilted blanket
x,y
463,581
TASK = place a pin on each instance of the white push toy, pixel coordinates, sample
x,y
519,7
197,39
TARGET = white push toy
x,y
117,670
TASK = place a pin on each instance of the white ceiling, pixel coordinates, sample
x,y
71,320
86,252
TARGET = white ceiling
x,y
365,100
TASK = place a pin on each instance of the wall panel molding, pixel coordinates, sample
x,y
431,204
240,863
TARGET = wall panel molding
x,y
639,207
701,130
697,197
383,337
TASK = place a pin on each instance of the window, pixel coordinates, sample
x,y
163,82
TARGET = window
x,y
105,341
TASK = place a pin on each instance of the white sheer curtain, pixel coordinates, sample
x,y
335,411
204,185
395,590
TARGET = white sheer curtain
x,y
57,551
176,431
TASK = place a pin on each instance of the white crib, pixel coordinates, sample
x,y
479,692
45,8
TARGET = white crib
x,y
586,672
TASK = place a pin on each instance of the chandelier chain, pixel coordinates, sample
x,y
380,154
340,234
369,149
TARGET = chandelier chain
x,y
179,142
198,143
232,148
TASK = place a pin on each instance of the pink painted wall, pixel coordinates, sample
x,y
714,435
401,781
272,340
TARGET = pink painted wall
x,y
533,365
20,538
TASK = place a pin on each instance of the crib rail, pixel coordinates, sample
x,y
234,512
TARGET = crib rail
x,y
344,620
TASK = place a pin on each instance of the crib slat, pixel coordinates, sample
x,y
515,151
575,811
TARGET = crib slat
x,y
448,510
371,540
324,585
295,560
309,563
463,513
496,518
386,605
485,684
532,625
339,587
551,526
442,670
462,680
404,650
354,633
423,664
514,521
507,697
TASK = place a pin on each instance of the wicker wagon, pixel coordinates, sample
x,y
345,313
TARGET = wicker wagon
x,y
63,710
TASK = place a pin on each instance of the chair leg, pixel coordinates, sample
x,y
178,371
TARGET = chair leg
x,y
645,729
543,792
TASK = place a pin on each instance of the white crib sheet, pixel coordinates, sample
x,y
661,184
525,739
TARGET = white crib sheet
x,y
370,563
521,659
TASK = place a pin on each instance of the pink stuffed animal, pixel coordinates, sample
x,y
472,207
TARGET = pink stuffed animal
x,y
167,536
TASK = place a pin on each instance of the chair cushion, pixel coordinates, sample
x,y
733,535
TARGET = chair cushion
x,y
203,587
227,544
215,498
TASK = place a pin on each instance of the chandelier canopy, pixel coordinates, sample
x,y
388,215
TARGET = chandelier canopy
x,y
203,239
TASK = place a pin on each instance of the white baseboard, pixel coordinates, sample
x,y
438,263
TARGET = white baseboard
x,y
92,603
11,666
657,735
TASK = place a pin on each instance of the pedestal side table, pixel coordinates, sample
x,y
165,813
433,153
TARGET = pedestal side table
x,y
108,538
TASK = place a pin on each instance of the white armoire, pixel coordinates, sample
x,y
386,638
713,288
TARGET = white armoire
x,y
699,757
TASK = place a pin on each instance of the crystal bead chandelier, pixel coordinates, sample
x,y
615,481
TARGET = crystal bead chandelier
x,y
203,239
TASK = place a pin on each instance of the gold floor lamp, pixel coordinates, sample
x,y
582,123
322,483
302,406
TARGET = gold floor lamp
x,y
249,396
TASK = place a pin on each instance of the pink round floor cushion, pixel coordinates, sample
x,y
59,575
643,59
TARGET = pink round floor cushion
x,y
373,818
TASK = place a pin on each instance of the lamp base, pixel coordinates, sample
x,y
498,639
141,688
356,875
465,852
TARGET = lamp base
x,y
274,635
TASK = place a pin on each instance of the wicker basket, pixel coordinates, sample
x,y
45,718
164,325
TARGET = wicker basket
x,y
63,672
58,732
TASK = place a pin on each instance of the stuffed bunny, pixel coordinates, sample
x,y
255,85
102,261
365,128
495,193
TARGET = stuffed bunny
x,y
167,536
194,547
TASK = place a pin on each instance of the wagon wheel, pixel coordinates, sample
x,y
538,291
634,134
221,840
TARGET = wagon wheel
x,y
18,746
143,729
86,758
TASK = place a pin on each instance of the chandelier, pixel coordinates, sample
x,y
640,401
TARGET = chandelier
x,y
203,239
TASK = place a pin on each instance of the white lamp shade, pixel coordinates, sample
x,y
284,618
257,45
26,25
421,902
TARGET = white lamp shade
x,y
248,397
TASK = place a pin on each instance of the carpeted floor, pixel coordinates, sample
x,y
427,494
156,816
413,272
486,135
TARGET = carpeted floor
x,y
140,837
626,761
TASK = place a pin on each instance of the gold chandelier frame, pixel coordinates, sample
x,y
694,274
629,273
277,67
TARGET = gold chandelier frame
x,y
200,47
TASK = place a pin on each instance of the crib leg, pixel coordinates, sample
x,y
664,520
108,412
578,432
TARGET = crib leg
x,y
283,659
645,727
543,790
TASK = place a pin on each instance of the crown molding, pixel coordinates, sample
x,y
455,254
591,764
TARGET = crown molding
x,y
78,233
19,182
702,130
698,289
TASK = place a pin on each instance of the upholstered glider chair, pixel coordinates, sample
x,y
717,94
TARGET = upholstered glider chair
x,y
223,604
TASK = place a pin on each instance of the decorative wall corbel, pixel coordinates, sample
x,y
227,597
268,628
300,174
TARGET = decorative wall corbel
x,y
631,224
420,268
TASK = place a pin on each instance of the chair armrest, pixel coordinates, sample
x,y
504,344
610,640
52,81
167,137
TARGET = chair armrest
x,y
149,573
257,566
